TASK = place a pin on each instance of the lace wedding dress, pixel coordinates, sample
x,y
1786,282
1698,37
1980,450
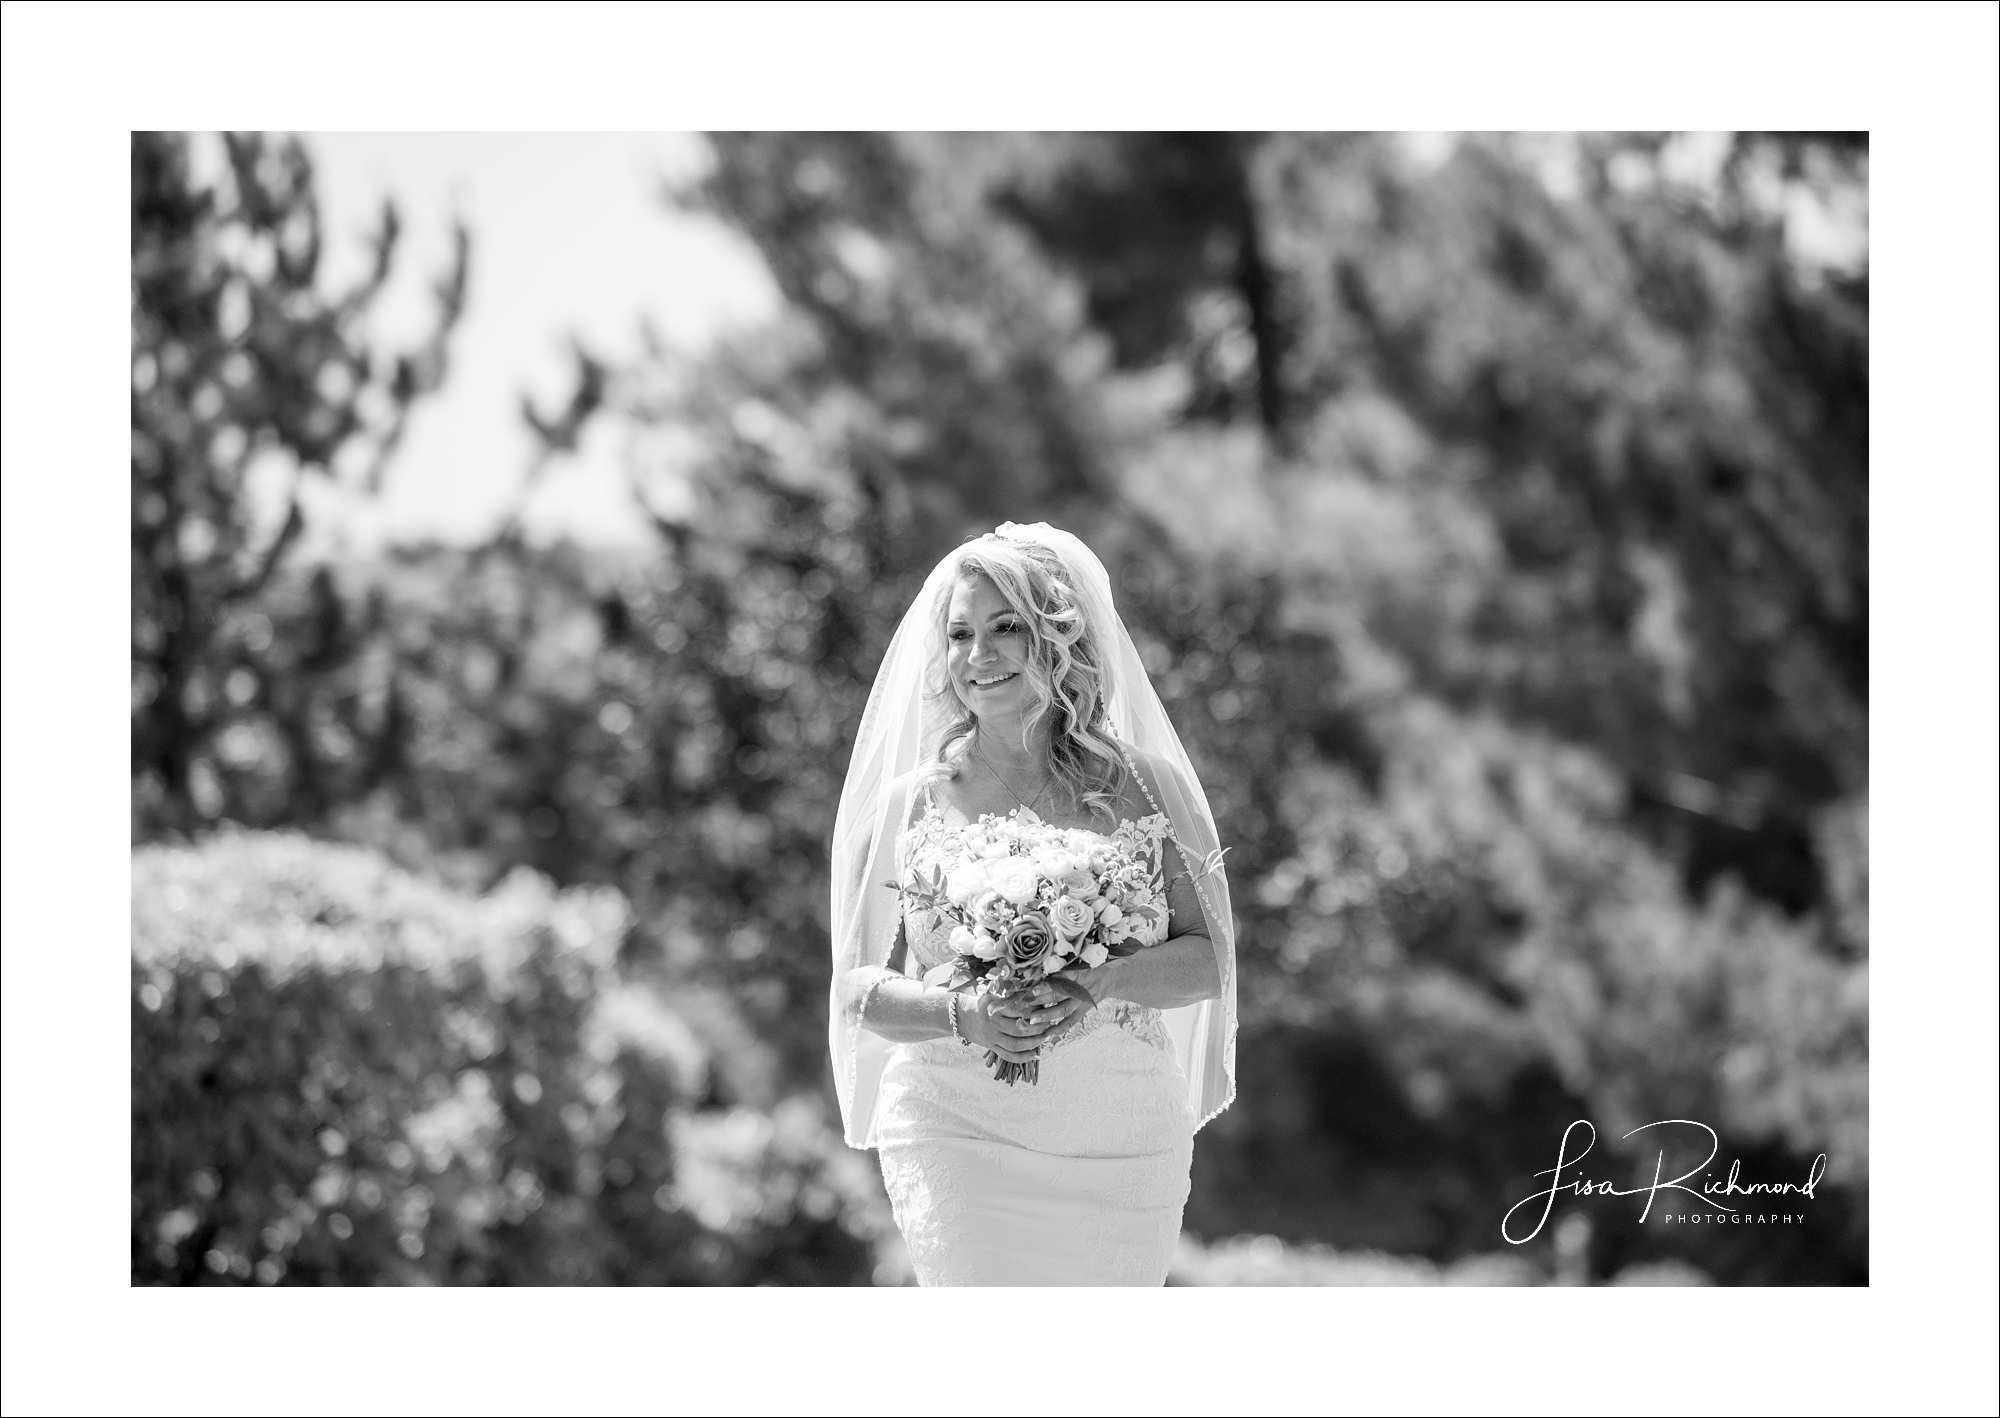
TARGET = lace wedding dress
x,y
1077,1180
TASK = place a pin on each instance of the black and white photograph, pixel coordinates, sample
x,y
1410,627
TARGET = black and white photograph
x,y
1464,535
886,708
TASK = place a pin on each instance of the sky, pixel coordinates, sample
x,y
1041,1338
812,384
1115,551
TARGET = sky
x,y
569,236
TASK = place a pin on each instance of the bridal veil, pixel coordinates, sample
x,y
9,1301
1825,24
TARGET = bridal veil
x,y
899,731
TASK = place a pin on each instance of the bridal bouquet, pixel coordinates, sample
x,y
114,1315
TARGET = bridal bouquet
x,y
1029,901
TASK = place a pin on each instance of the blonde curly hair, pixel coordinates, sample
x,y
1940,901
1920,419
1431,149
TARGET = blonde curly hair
x,y
1065,669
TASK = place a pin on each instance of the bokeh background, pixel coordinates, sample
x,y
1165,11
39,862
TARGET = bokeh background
x,y
1491,511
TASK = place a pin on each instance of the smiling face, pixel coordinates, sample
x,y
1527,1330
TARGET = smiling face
x,y
987,650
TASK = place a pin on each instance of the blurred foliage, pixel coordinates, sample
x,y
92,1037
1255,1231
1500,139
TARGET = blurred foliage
x,y
1491,518
1266,1260
343,1074
248,384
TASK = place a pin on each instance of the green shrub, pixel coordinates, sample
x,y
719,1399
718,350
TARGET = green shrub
x,y
346,1074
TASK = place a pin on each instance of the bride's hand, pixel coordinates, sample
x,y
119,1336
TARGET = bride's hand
x,y
1006,1026
1050,1011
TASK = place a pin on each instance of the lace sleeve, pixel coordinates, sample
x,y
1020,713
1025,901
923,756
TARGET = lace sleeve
x,y
1191,864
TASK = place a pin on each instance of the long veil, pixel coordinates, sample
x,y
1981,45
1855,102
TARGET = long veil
x,y
897,733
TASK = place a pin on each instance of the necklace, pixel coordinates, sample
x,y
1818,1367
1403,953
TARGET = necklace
x,y
1030,806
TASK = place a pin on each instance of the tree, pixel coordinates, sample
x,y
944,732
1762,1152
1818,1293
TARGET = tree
x,y
1496,532
1619,378
248,383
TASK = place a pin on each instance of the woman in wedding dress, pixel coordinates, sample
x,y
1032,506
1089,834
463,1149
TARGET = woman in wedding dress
x,y
1012,685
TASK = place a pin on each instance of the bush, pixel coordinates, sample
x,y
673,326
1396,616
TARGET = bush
x,y
1266,1260
346,1074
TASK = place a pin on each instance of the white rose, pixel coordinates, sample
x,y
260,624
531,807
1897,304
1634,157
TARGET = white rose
x,y
985,946
1109,913
1014,879
966,881
993,851
1070,917
1053,865
1081,884
963,941
989,911
1095,954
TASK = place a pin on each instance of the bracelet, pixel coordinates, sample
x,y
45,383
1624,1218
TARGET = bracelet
x,y
951,1012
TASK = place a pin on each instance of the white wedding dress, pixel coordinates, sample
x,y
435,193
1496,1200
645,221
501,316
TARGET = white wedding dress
x,y
1079,1179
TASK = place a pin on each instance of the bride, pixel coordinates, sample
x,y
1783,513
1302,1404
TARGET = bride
x,y
1012,686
